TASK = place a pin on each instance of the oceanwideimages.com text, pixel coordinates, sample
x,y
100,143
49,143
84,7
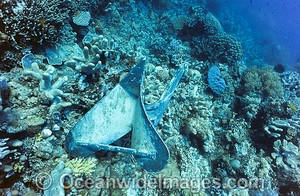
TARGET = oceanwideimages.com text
x,y
158,182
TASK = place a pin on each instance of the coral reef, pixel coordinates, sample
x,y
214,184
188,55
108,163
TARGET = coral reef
x,y
262,81
52,184
97,51
287,156
58,58
278,127
82,166
30,22
223,48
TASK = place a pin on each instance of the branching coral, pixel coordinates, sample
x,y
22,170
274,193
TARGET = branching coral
x,y
3,149
277,127
28,22
50,91
97,50
82,166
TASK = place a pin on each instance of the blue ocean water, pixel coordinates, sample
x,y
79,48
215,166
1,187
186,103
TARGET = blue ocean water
x,y
274,23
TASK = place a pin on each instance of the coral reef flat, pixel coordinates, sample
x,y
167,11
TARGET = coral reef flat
x,y
231,127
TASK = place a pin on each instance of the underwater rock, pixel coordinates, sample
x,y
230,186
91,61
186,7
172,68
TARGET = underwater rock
x,y
49,148
3,86
16,143
27,60
235,164
60,53
52,184
31,124
46,133
3,83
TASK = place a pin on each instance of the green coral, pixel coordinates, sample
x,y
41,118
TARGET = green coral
x,y
82,166
271,83
262,81
251,80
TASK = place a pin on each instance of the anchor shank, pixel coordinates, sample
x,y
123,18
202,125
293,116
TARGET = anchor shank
x,y
98,147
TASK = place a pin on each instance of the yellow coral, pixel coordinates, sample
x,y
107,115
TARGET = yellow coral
x,y
38,137
293,107
82,166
